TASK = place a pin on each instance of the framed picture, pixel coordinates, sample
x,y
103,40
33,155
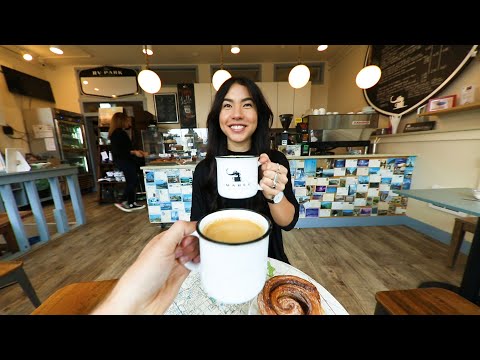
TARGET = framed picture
x,y
442,103
166,108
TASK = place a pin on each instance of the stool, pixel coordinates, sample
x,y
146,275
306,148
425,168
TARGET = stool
x,y
423,301
11,272
461,226
76,299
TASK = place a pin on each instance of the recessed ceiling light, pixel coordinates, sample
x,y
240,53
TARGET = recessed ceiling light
x,y
56,49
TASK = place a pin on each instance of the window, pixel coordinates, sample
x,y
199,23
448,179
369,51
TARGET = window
x,y
171,76
250,71
281,72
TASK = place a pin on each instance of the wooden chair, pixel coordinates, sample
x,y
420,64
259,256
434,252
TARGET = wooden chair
x,y
76,299
11,272
423,301
462,225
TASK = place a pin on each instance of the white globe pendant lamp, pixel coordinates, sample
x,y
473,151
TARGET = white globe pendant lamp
x,y
368,76
220,75
299,76
148,80
219,78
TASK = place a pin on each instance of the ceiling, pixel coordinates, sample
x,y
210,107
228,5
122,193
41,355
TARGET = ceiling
x,y
100,55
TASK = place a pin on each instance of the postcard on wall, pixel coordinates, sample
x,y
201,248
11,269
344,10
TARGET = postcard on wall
x,y
375,178
342,191
337,205
324,213
361,171
372,192
300,191
339,171
328,197
374,163
351,163
322,181
311,180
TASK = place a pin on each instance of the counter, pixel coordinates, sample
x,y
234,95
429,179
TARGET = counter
x,y
328,186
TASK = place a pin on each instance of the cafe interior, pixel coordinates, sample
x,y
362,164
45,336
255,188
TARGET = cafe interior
x,y
382,143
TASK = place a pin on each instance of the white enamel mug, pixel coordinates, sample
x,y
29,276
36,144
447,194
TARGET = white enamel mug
x,y
237,176
232,273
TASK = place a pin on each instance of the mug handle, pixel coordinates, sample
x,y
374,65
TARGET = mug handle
x,y
191,265
258,185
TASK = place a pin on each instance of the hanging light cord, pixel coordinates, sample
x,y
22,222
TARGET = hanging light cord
x,y
299,53
221,57
146,56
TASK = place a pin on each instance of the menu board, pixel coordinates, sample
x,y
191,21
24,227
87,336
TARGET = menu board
x,y
186,97
412,74
166,108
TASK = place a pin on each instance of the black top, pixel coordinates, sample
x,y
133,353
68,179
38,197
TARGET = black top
x,y
121,145
203,202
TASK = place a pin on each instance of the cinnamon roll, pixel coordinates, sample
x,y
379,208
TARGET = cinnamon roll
x,y
289,295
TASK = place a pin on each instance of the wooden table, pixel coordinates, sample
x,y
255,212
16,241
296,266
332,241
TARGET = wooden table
x,y
28,179
76,299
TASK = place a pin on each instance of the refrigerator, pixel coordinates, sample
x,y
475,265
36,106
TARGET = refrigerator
x,y
60,134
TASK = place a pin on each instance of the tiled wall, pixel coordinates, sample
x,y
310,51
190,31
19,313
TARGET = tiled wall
x,y
351,187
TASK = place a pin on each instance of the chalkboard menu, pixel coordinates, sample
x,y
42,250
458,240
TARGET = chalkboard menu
x,y
166,108
186,97
412,74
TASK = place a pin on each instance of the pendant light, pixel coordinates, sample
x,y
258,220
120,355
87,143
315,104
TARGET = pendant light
x,y
368,76
148,80
148,50
322,47
299,75
220,75
235,49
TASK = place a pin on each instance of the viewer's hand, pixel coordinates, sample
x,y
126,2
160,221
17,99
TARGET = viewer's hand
x,y
151,284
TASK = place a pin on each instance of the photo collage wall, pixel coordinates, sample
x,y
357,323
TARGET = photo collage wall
x,y
169,194
351,187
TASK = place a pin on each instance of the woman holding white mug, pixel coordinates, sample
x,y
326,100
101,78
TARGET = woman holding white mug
x,y
238,124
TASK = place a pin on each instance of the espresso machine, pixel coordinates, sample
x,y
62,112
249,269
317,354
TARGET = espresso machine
x,y
285,120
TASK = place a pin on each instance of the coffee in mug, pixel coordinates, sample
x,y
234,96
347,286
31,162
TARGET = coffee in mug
x,y
237,176
233,230
233,253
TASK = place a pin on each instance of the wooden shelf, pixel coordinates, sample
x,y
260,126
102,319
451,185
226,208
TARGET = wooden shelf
x,y
466,107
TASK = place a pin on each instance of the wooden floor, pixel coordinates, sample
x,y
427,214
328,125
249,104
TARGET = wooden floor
x,y
352,263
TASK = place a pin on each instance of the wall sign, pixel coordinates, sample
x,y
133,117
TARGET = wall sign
x,y
186,99
166,108
411,74
108,81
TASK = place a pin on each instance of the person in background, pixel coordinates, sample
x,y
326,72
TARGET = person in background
x,y
152,282
238,124
124,158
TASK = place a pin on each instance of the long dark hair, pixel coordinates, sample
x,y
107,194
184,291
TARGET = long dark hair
x,y
217,140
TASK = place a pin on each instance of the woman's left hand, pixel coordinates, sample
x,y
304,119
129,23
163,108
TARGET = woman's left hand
x,y
274,177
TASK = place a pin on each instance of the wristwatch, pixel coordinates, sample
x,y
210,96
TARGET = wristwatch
x,y
276,199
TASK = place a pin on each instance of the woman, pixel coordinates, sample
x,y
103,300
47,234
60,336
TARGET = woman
x,y
124,158
238,124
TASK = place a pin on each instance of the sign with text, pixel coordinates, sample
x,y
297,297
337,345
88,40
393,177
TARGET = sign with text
x,y
186,103
412,74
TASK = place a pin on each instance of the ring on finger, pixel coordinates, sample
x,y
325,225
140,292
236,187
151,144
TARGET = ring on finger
x,y
275,181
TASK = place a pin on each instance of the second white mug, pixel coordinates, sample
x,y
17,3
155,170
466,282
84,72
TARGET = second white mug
x,y
237,176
